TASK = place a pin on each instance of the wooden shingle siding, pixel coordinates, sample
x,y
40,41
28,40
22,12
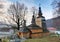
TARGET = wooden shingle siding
x,y
46,33
37,35
25,35
39,22
36,30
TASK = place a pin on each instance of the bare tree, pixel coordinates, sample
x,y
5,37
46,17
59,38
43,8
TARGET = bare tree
x,y
34,11
56,7
17,12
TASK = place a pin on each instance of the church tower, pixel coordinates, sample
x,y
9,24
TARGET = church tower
x,y
40,20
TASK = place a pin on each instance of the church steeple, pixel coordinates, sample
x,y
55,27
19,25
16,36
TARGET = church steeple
x,y
33,20
24,23
39,12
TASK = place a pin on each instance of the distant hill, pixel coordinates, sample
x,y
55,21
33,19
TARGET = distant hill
x,y
54,22
49,23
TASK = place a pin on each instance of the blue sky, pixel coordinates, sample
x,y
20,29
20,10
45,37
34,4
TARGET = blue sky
x,y
46,6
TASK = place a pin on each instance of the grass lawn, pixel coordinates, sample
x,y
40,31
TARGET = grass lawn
x,y
44,39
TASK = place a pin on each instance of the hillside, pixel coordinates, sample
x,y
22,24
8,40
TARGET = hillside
x,y
54,22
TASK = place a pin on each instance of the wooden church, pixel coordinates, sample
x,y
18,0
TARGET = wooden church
x,y
36,29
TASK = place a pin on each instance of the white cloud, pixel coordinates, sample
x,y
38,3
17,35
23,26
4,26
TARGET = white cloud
x,y
47,14
5,4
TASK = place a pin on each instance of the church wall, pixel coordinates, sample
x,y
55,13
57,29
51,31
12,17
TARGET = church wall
x,y
24,34
39,22
36,35
36,30
46,33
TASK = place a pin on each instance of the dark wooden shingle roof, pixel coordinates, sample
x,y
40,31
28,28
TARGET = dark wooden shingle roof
x,y
34,26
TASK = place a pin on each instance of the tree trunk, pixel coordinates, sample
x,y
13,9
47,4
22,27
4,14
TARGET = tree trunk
x,y
18,24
